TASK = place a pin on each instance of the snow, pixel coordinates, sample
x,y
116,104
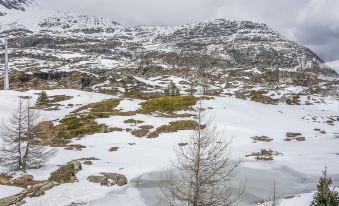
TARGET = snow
x,y
334,65
137,158
299,200
127,105
8,101
6,191
304,199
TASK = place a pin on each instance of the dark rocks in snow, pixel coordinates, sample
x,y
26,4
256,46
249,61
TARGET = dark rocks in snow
x,y
108,179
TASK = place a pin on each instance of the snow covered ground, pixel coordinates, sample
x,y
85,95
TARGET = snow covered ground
x,y
334,65
6,191
296,171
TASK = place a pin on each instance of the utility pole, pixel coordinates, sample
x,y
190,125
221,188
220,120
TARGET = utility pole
x,y
6,79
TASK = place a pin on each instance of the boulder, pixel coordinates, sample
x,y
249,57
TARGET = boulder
x,y
118,179
102,180
113,149
7,201
88,162
5,179
66,173
24,181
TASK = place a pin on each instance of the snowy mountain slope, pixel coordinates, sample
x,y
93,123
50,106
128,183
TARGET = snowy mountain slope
x,y
15,4
33,17
213,44
334,65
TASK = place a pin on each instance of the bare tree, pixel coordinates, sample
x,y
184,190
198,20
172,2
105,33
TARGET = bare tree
x,y
12,135
21,148
203,78
274,199
203,171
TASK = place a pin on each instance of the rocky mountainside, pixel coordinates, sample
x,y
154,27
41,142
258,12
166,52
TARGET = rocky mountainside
x,y
42,40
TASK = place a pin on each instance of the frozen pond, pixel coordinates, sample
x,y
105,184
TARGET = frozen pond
x,y
259,185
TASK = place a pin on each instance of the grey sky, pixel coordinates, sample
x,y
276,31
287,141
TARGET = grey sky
x,y
313,23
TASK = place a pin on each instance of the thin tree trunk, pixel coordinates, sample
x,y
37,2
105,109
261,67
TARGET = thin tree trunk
x,y
28,137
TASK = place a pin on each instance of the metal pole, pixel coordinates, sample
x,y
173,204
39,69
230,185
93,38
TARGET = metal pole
x,y
6,79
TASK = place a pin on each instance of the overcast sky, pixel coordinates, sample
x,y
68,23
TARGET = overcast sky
x,y
313,23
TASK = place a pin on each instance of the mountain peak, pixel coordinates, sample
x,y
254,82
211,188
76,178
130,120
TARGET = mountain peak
x,y
16,4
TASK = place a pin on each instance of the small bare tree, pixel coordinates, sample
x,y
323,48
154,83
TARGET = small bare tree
x,y
203,171
273,200
12,136
21,148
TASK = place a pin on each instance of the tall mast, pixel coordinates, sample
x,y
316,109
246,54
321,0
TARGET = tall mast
x,y
6,79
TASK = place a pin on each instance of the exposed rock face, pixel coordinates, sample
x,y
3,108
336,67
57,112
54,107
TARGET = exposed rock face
x,y
63,50
218,43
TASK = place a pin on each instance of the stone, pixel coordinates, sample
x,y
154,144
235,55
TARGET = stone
x,y
88,162
117,178
102,180
113,149
66,173
7,201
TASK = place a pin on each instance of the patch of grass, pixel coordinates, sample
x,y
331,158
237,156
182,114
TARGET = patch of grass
x,y
59,98
105,106
113,113
259,97
162,129
115,129
175,115
173,127
206,98
79,125
146,127
184,124
168,104
140,132
133,121
142,95
76,147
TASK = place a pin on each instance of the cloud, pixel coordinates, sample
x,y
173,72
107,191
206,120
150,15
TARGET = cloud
x,y
313,23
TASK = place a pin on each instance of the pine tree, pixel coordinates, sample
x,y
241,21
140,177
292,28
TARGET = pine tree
x,y
42,99
325,196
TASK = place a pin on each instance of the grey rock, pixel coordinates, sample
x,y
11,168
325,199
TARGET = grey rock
x,y
102,180
117,178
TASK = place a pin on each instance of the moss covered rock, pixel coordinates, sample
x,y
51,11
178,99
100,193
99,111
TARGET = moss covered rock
x,y
66,173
